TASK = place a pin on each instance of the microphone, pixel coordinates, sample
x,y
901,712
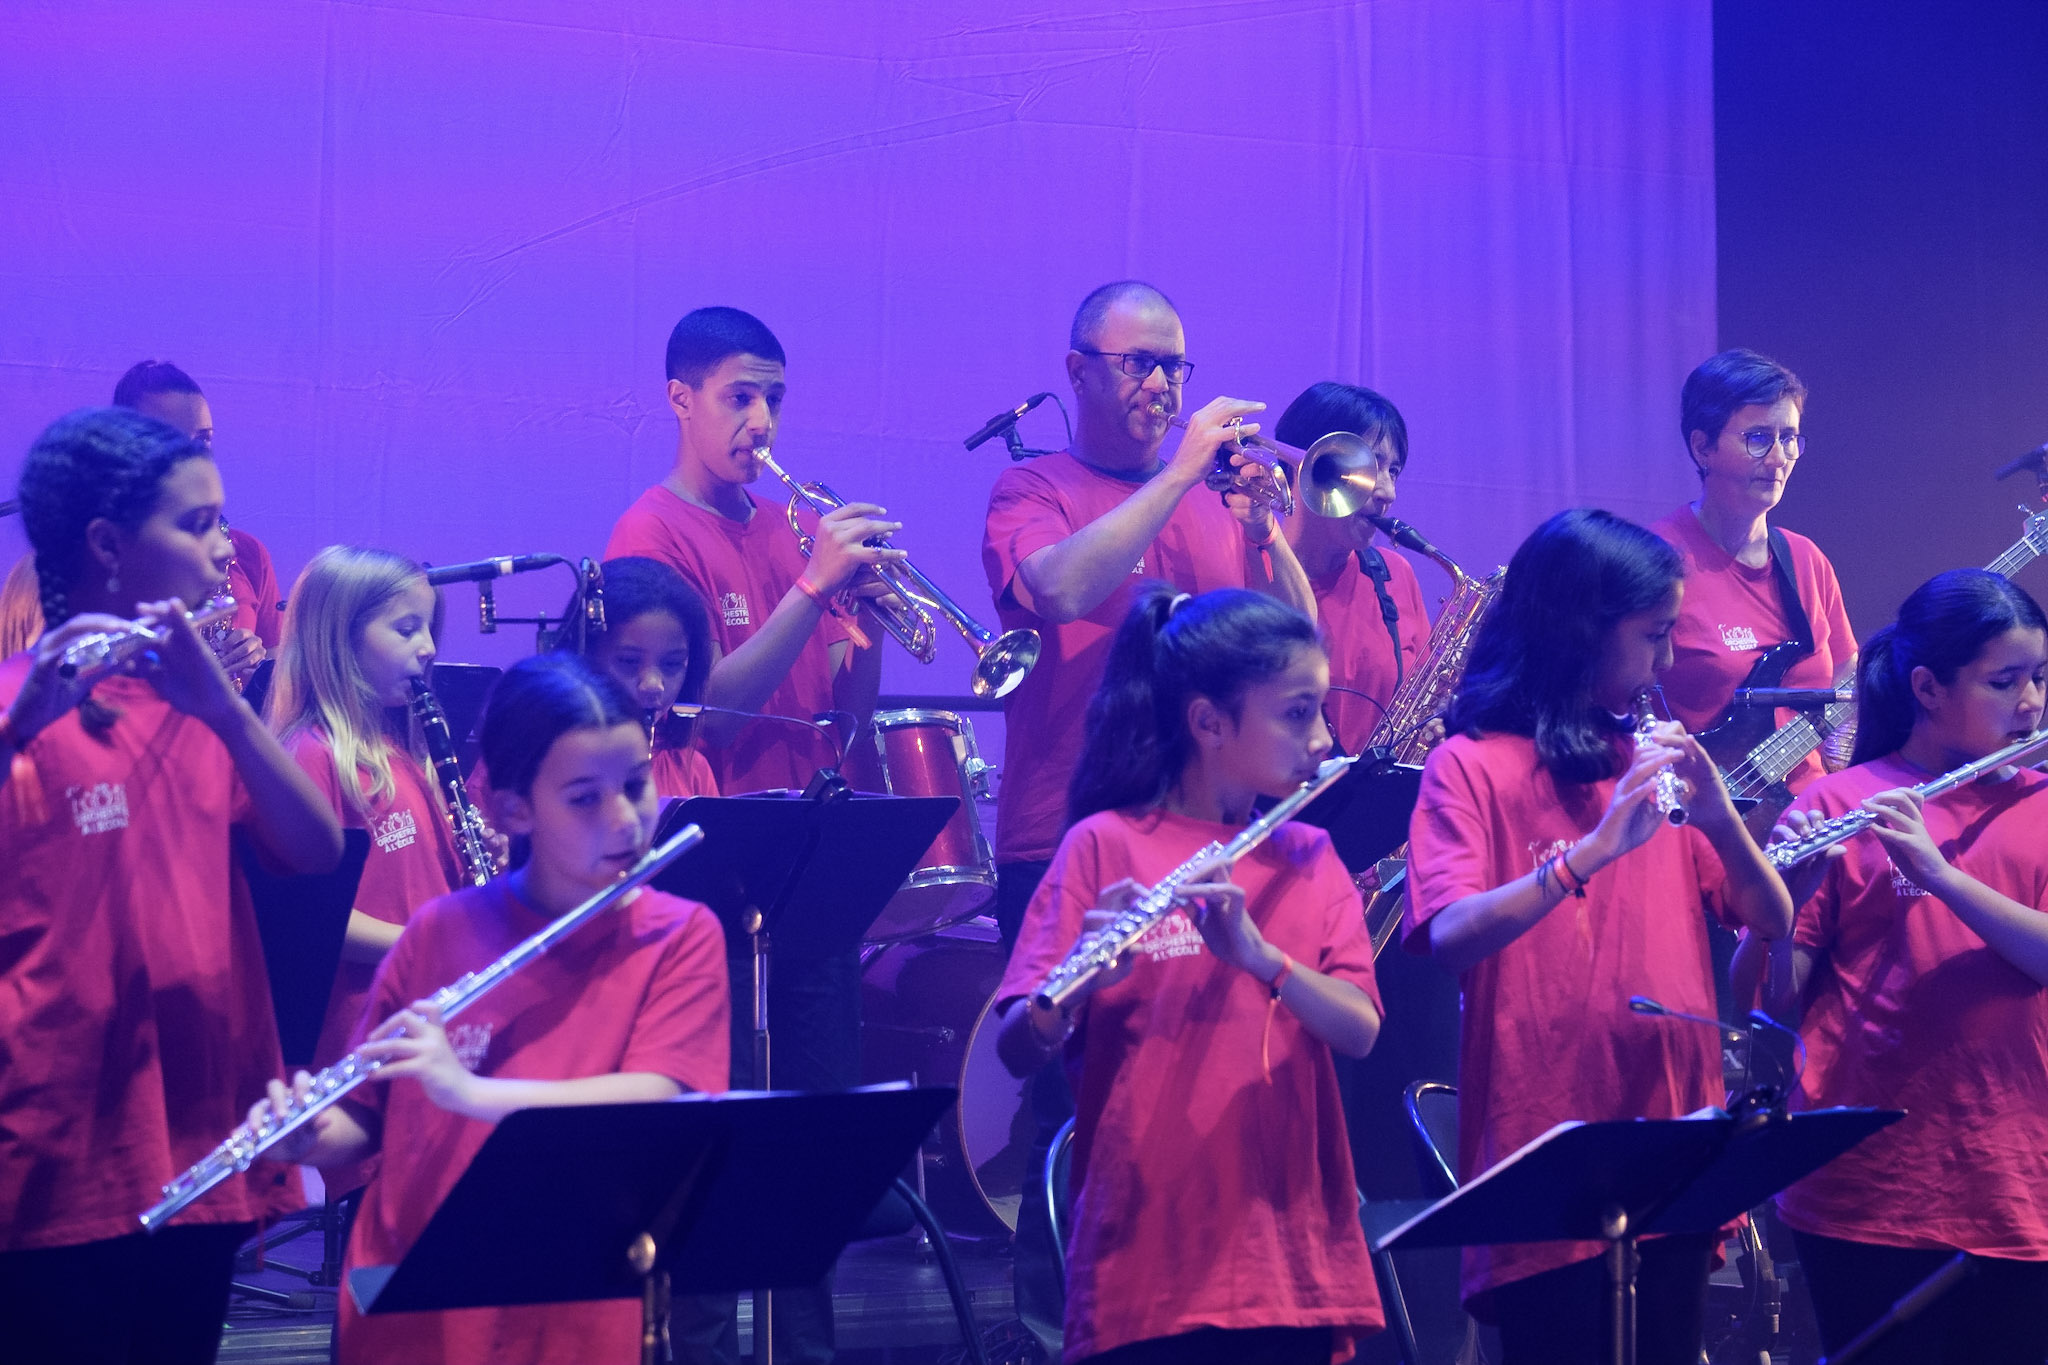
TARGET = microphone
x,y
1643,1004
2035,459
1799,698
484,570
1405,536
994,426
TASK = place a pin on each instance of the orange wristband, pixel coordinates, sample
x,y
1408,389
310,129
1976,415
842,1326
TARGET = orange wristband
x,y
1280,977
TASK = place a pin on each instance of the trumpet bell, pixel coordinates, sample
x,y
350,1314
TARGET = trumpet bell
x,y
1339,473
1003,663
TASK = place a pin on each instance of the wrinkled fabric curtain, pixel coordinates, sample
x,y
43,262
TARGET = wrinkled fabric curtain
x,y
423,255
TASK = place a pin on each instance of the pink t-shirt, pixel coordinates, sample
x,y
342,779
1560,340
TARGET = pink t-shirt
x,y
1907,1008
136,1026
1205,1194
1041,503
641,988
1547,1033
742,572
683,773
412,860
252,580
1732,611
1361,651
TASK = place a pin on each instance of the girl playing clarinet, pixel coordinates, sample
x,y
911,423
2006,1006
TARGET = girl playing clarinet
x,y
1215,1215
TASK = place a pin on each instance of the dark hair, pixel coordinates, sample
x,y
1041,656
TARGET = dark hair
x,y
146,377
1540,648
89,464
1135,738
634,586
1094,309
1733,379
706,336
534,703
1330,406
1943,625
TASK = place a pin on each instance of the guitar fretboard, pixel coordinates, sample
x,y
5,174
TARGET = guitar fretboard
x,y
1768,763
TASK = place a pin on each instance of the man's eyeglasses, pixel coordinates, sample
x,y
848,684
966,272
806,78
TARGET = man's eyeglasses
x,y
1758,442
1140,364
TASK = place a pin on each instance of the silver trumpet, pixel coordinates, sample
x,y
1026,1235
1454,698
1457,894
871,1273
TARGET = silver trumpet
x,y
1672,790
104,651
1338,468
1001,661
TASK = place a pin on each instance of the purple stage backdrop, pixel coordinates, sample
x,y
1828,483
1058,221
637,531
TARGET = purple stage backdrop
x,y
423,256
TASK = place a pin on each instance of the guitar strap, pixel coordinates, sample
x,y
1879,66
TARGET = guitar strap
x,y
1788,592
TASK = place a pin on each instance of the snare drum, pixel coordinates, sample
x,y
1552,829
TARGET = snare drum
x,y
926,1016
931,753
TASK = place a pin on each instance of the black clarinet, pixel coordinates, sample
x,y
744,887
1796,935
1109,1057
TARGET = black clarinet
x,y
472,842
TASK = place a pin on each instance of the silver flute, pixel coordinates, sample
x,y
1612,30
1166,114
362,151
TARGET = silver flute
x,y
1099,950
2030,752
1672,791
103,651
250,1141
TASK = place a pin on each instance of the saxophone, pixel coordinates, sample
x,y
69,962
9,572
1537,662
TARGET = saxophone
x,y
472,837
1404,734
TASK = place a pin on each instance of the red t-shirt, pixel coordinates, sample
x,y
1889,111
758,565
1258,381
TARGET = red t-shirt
x,y
1041,503
1547,1033
259,606
742,572
682,773
1907,1008
412,860
135,1019
640,988
1205,1195
1361,651
1732,611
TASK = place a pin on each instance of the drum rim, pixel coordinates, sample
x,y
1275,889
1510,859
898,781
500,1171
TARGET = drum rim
x,y
960,1114
896,720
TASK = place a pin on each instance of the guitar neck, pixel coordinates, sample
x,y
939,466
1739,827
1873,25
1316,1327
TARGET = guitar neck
x,y
2016,557
1786,749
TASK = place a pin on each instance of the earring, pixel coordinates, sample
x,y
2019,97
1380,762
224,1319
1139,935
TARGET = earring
x,y
113,582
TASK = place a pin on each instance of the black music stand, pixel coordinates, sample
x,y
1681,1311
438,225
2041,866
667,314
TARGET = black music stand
x,y
462,689
1366,811
1614,1182
302,921
613,1201
803,872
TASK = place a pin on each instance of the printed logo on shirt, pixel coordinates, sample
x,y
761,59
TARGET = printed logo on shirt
x,y
470,1042
1139,567
1539,853
99,809
1902,885
1737,638
396,830
734,607
1174,936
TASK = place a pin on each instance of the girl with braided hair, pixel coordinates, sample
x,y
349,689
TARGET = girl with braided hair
x,y
135,1023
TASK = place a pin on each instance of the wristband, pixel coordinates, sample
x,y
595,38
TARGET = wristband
x,y
1571,880
1280,977
810,590
1262,544
851,620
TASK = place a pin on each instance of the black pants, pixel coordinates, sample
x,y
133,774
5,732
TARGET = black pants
x,y
1998,1315
140,1300
1560,1317
1226,1346
1039,1281
814,1030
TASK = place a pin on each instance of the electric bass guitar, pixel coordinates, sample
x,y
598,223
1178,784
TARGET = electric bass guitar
x,y
1755,753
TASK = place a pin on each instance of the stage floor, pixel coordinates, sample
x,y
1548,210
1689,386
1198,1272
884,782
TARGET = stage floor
x,y
888,1297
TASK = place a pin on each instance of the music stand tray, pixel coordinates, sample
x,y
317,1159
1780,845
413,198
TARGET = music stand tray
x,y
1616,1181
302,921
708,1194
